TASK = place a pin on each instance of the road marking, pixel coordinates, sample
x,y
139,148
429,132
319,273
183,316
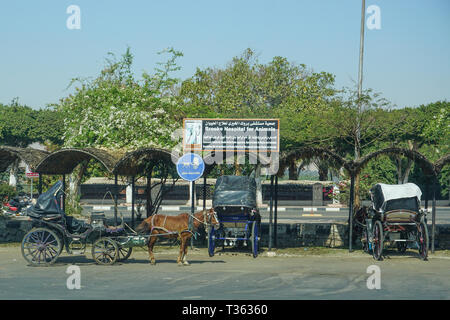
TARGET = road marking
x,y
169,208
332,209
278,209
311,215
309,209
101,208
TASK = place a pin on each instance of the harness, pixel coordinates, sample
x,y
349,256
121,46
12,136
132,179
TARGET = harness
x,y
179,232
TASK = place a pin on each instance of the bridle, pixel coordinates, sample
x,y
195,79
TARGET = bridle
x,y
205,214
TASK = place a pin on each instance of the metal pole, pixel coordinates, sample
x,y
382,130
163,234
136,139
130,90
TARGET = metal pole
x,y
204,193
192,211
276,211
360,76
40,184
350,212
64,193
132,201
115,198
433,215
271,214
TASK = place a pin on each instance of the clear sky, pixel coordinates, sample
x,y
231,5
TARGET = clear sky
x,y
407,60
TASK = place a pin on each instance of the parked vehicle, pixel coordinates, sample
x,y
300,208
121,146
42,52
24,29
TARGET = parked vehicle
x,y
234,202
395,216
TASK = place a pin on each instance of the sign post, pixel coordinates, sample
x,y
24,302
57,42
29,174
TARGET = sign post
x,y
190,167
31,175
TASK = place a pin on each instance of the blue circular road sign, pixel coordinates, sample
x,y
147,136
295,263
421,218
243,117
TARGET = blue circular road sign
x,y
190,166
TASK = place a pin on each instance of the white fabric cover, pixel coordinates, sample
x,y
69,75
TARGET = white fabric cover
x,y
398,191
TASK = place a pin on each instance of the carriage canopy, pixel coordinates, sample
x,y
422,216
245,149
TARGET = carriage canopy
x,y
236,191
387,197
47,202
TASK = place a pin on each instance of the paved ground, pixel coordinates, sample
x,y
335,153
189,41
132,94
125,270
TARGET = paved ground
x,y
298,274
297,214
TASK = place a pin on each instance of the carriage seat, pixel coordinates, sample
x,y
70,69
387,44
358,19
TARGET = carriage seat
x,y
52,217
400,216
114,229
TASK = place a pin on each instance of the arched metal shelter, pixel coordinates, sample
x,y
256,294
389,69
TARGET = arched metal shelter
x,y
30,156
135,162
64,161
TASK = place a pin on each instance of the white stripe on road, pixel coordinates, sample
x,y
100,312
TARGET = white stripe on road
x,y
309,209
101,208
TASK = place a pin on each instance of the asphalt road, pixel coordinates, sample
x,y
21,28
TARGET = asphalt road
x,y
298,214
233,276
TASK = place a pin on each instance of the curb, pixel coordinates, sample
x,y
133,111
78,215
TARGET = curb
x,y
186,208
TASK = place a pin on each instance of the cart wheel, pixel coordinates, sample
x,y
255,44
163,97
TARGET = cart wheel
x,y
402,246
105,251
211,242
378,239
254,240
124,253
422,240
41,247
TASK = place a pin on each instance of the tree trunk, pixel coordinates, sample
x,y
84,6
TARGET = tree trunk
x,y
148,193
237,167
13,178
259,197
73,194
293,174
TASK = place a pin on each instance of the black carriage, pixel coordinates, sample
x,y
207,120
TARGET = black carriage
x,y
52,231
234,202
395,216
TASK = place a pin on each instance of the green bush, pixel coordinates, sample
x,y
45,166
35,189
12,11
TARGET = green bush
x,y
7,192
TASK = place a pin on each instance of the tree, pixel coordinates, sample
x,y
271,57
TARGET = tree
x,y
246,88
20,125
115,111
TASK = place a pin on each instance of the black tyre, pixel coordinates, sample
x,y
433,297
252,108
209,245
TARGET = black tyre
x,y
211,242
41,247
254,239
105,251
423,240
377,241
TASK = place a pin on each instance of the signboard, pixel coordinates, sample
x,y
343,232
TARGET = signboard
x,y
255,135
30,174
190,166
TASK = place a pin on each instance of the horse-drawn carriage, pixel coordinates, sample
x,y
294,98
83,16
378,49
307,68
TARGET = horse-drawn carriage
x,y
395,216
234,202
53,231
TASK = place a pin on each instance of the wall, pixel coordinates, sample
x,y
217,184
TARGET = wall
x,y
288,234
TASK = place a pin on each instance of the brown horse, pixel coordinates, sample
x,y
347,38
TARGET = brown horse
x,y
161,225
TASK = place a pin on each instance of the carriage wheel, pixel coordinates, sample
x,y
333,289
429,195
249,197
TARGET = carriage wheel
x,y
105,251
124,253
211,242
422,240
378,239
41,247
254,240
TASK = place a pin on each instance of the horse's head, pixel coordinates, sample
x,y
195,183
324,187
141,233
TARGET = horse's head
x,y
143,227
211,218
